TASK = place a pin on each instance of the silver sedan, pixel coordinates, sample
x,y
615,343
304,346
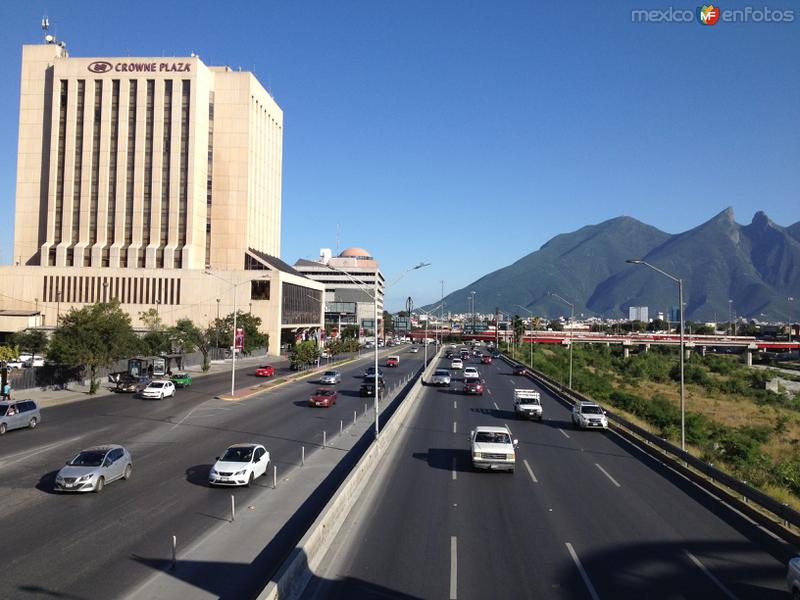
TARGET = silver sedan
x,y
91,469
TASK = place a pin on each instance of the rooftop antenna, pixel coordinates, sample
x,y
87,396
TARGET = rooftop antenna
x,y
48,37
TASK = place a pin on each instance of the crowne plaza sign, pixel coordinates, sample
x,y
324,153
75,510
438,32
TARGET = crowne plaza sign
x,y
103,66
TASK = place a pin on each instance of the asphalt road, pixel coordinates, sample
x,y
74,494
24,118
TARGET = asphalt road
x,y
92,545
585,515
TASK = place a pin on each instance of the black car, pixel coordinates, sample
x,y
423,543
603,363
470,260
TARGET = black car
x,y
368,387
519,370
370,372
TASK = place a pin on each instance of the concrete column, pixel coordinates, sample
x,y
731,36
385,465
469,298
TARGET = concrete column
x,y
748,357
702,350
647,347
626,352
688,353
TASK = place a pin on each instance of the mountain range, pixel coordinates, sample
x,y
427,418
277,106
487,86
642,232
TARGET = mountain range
x,y
748,270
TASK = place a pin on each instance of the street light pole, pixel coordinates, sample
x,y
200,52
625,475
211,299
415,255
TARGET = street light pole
x,y
530,312
571,317
679,281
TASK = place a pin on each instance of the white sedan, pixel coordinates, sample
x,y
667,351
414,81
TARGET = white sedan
x,y
240,465
158,390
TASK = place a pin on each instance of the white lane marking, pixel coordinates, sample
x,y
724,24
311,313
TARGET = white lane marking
x,y
454,426
586,581
189,414
709,574
495,406
454,469
20,456
566,435
488,390
453,567
530,471
455,404
602,470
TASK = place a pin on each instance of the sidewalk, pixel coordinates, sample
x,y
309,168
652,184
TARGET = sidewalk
x,y
76,392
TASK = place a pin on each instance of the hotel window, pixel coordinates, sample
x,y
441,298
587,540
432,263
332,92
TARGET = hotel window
x,y
98,95
130,165
76,180
112,170
62,140
148,167
165,172
209,175
184,174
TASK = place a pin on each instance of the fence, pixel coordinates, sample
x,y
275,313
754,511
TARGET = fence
x,y
59,376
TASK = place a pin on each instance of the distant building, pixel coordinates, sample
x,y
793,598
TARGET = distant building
x,y
638,313
674,314
349,281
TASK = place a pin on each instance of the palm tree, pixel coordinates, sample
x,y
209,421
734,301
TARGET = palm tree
x,y
518,326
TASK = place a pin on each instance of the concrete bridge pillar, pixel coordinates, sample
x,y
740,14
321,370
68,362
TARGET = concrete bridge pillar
x,y
702,350
626,352
647,347
748,354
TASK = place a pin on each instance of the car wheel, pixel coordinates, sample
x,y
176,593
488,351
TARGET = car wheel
x,y
128,470
33,423
250,481
161,397
3,428
101,483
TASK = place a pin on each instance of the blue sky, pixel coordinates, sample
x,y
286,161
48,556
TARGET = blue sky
x,y
466,134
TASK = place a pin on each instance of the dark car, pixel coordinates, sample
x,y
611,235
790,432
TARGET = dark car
x,y
323,397
368,387
519,370
474,386
370,372
486,359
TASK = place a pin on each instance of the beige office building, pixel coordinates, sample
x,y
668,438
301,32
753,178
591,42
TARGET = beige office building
x,y
155,181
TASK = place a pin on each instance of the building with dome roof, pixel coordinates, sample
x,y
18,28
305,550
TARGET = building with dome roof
x,y
349,280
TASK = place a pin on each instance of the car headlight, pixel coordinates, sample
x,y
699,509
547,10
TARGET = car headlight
x,y
242,472
476,455
214,472
512,456
86,477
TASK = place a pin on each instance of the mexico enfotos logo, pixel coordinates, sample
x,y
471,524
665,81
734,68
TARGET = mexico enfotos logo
x,y
711,14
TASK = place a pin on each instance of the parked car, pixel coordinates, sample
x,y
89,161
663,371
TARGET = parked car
x,y
519,370
441,377
330,377
473,387
14,363
589,415
91,469
158,389
17,414
265,371
323,397
182,380
240,465
493,448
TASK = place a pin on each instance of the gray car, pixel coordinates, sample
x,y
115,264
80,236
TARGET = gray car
x,y
331,377
17,414
91,469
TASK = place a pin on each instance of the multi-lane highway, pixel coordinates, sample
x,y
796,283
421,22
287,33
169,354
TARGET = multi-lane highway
x,y
585,515
102,545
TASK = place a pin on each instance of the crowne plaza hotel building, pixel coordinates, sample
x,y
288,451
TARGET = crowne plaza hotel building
x,y
155,181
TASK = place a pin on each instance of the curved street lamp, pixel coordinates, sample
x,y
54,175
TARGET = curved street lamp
x,y
571,316
679,281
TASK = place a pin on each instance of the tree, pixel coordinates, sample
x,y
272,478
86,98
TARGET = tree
x,y
388,322
303,354
94,337
518,327
349,331
151,320
188,337
8,353
658,325
31,340
222,329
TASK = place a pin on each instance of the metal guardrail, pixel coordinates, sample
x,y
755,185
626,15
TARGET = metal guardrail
x,y
748,493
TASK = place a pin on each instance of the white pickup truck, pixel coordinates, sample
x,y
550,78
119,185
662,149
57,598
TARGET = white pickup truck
x,y
493,448
527,404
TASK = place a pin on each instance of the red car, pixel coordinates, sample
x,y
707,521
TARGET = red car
x,y
486,359
519,370
474,386
392,361
323,397
265,371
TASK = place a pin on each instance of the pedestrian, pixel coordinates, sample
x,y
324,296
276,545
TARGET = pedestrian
x,y
7,391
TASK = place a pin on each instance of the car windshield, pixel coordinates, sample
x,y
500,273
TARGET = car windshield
x,y
490,437
157,384
238,454
591,410
182,376
264,367
88,458
324,393
442,372
330,373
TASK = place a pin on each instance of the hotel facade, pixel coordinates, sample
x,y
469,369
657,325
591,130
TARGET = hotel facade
x,y
154,181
